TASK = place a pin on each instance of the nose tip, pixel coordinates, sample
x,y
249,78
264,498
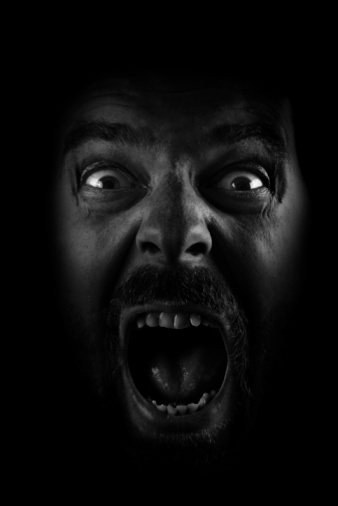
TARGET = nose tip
x,y
174,244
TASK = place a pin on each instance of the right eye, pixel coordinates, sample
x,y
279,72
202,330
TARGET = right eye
x,y
108,179
241,181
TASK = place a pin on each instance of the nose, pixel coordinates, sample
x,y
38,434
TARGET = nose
x,y
174,225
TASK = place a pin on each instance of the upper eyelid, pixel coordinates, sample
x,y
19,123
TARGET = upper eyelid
x,y
96,160
243,166
236,157
101,165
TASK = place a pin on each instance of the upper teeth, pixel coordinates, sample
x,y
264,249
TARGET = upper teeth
x,y
171,320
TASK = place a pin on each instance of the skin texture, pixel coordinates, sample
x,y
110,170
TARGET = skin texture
x,y
178,208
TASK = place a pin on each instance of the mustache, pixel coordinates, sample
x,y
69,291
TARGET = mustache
x,y
180,285
185,285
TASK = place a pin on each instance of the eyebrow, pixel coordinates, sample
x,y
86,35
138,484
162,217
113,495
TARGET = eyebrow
x,y
272,136
267,133
111,132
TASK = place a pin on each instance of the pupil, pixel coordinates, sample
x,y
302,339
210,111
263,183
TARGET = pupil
x,y
241,184
245,184
109,183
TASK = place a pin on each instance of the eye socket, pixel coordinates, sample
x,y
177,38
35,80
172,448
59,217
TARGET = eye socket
x,y
243,181
108,179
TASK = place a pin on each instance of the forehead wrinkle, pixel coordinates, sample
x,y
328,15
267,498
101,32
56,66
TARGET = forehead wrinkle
x,y
207,100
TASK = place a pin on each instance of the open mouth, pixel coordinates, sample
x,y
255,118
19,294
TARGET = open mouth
x,y
177,360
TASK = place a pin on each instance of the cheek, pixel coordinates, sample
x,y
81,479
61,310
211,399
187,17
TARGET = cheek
x,y
287,241
262,258
90,252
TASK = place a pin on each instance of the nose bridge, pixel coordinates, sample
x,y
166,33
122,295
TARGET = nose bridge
x,y
174,225
177,209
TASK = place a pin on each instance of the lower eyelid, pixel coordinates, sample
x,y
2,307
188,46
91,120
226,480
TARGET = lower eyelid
x,y
239,202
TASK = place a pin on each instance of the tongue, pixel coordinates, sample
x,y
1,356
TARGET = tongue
x,y
184,377
181,365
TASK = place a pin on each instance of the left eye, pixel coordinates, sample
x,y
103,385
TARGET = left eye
x,y
241,181
108,179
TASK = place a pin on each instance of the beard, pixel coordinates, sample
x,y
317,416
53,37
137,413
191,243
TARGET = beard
x,y
101,361
180,286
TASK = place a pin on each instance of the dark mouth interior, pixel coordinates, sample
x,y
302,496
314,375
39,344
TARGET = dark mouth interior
x,y
177,366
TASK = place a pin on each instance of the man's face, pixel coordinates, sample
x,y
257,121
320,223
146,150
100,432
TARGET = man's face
x,y
180,215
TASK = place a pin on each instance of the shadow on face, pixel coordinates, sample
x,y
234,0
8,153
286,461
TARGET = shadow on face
x,y
179,235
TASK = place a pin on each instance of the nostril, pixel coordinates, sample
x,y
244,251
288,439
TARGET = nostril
x,y
199,248
149,247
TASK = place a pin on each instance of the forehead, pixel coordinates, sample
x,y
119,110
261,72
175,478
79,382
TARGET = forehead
x,y
173,106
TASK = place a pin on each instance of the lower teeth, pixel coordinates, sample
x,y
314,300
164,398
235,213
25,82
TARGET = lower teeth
x,y
174,409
